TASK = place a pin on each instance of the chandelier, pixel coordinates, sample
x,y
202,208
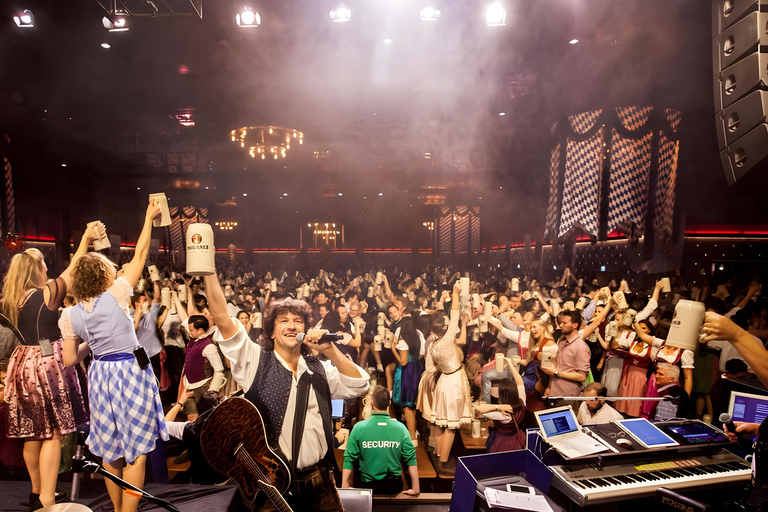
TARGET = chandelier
x,y
266,141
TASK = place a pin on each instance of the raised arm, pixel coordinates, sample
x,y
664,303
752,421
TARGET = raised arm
x,y
717,327
90,233
179,308
134,269
217,306
588,330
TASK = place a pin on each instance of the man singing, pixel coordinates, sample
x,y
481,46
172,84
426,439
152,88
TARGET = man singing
x,y
273,373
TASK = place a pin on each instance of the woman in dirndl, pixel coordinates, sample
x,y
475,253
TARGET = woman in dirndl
x,y
409,355
126,413
44,400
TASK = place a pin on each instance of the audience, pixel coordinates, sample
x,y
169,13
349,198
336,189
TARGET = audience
x,y
430,337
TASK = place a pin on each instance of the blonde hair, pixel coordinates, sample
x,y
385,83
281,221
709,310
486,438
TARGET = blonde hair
x,y
547,335
24,273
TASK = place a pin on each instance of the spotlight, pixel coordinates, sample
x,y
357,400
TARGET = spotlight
x,y
115,23
341,13
248,18
24,19
495,15
429,14
106,46
573,41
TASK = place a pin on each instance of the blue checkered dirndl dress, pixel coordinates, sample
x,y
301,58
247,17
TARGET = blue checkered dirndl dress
x,y
126,413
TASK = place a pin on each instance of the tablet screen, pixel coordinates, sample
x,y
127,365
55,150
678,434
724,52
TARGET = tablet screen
x,y
646,433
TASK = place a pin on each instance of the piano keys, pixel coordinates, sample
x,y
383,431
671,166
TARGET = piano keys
x,y
588,484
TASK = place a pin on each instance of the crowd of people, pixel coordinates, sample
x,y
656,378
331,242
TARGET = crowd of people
x,y
124,351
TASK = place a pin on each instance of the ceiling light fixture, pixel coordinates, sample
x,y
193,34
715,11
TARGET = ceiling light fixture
x,y
263,140
573,41
106,46
341,13
24,19
495,15
248,18
429,14
115,23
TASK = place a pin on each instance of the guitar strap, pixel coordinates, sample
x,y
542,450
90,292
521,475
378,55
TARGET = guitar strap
x,y
302,401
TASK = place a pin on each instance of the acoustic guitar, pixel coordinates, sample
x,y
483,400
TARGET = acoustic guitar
x,y
234,442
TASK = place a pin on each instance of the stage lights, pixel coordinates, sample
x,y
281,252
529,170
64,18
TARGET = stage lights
x,y
24,19
248,18
429,14
341,13
115,23
495,15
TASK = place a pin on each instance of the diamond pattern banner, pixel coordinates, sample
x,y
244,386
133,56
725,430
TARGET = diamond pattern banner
x,y
589,196
673,117
554,165
582,123
634,117
628,185
664,206
581,185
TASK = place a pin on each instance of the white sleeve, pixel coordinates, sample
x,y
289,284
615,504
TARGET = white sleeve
x,y
401,344
510,334
686,360
176,429
243,355
521,393
647,310
342,386
212,354
65,325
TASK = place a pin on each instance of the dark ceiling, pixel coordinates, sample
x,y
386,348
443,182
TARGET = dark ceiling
x,y
436,88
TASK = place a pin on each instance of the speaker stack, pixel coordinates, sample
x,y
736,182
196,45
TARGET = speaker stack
x,y
740,62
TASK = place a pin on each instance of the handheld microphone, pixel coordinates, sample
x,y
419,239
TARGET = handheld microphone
x,y
726,419
325,337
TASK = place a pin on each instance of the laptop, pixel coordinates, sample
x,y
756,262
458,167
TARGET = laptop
x,y
559,428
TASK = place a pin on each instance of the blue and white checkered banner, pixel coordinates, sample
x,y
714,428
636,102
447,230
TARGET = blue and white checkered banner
x,y
664,203
628,184
607,175
581,185
550,225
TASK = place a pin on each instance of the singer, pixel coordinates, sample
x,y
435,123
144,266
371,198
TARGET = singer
x,y
274,373
126,413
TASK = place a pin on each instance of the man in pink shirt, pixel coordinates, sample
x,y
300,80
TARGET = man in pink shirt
x,y
567,376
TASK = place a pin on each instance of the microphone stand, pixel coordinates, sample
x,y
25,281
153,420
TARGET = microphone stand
x,y
79,464
666,398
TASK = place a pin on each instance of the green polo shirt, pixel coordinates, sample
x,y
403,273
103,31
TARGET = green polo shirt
x,y
378,444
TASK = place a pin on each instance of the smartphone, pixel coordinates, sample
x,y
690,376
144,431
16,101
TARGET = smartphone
x,y
521,489
141,357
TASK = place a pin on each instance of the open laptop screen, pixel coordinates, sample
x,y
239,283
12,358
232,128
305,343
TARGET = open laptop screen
x,y
558,422
748,407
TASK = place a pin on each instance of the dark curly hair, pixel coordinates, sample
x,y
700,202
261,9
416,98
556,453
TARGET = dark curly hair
x,y
92,275
288,305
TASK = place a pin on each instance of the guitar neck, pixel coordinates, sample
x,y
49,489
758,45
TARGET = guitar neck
x,y
275,497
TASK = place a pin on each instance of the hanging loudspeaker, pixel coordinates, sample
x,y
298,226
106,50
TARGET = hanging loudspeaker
x,y
738,119
745,153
